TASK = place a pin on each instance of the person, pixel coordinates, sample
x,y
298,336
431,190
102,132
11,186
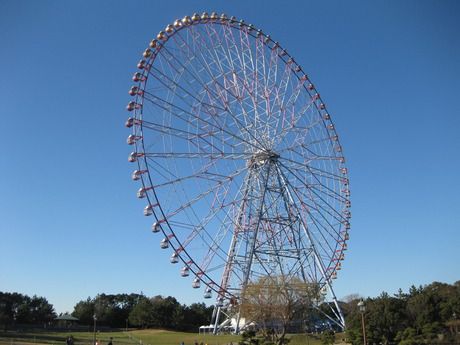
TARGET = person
x,y
182,343
110,341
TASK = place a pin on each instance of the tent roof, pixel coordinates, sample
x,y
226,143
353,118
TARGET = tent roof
x,y
67,317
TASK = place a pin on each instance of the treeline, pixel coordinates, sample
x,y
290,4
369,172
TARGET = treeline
x,y
16,308
137,310
424,315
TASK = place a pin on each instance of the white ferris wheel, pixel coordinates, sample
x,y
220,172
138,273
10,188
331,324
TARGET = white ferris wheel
x,y
238,159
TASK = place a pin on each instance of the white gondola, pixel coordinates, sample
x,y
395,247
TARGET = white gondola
x,y
138,77
174,259
148,210
134,90
164,243
130,122
207,293
136,175
156,227
131,140
162,36
220,302
140,65
196,283
185,271
141,193
147,53
169,28
132,157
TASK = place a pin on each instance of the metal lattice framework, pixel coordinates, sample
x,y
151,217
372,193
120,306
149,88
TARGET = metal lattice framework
x,y
239,160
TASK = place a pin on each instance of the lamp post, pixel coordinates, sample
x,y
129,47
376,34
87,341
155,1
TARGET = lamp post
x,y
454,315
362,309
94,329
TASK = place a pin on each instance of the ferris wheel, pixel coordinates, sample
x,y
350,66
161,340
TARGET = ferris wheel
x,y
238,160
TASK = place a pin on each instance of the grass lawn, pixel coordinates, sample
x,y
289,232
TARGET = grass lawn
x,y
137,337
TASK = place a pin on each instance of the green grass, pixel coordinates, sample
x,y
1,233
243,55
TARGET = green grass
x,y
157,337
137,337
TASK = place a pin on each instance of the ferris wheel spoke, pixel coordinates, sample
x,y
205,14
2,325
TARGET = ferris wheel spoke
x,y
294,229
237,80
314,196
278,111
292,126
203,194
180,113
200,155
214,244
318,225
215,247
259,77
304,166
295,146
290,105
319,207
325,189
195,74
197,231
188,136
170,84
220,56
246,53
201,174
218,92
219,87
273,70
322,188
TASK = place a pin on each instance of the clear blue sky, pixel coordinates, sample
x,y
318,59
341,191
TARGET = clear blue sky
x,y
70,224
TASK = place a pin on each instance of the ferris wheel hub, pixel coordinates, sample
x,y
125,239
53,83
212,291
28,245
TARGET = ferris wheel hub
x,y
263,157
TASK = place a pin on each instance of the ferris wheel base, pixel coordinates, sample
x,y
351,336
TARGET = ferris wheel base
x,y
235,324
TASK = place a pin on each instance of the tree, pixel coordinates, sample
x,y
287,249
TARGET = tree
x,y
16,308
40,310
194,316
385,317
273,302
167,312
84,311
327,337
142,313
